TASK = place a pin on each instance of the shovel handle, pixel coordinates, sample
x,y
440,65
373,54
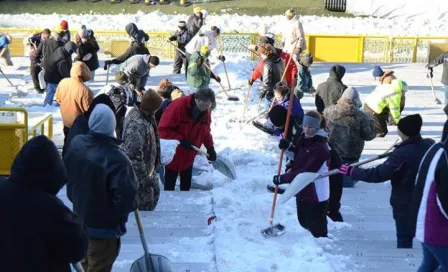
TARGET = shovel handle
x,y
200,151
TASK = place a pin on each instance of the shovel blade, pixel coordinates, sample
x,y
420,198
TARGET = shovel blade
x,y
273,231
160,264
225,166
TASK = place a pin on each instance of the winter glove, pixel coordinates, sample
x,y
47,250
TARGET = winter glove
x,y
87,57
288,166
211,154
186,144
284,144
346,169
218,79
107,63
222,58
251,82
172,38
277,180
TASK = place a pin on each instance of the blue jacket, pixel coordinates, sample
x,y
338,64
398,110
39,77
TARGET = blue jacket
x,y
401,169
4,42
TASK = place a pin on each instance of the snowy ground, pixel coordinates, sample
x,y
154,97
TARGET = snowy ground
x,y
243,206
155,21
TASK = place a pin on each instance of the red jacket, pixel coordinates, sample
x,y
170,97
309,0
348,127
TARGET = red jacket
x,y
291,70
177,123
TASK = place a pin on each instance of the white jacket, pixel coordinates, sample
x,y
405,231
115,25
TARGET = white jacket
x,y
203,37
293,31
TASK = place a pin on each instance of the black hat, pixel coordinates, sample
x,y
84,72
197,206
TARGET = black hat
x,y
278,115
411,125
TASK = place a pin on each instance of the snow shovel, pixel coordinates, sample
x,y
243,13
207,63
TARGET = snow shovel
x,y
9,81
303,179
230,98
149,262
223,63
279,229
223,165
430,76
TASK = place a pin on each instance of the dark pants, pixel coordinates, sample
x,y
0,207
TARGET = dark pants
x,y
433,258
336,188
313,217
101,255
185,179
65,130
119,127
379,119
34,71
404,232
178,61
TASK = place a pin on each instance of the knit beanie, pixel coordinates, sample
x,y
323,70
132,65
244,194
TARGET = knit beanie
x,y
290,13
377,71
204,50
410,125
151,101
102,121
154,60
278,115
182,24
351,94
306,59
197,9
64,25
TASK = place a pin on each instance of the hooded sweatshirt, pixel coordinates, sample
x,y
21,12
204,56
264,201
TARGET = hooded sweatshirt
x,y
73,96
136,67
329,92
33,218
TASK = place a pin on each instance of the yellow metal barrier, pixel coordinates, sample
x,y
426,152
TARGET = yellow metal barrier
x,y
328,48
14,135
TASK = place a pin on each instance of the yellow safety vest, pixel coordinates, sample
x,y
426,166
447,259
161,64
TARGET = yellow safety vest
x,y
387,95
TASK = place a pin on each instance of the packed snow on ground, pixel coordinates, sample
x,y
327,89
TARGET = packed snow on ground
x,y
400,9
243,206
230,23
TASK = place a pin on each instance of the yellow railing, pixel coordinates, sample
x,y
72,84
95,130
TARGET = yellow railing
x,y
325,48
14,135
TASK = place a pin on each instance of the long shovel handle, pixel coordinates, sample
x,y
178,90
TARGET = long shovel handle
x,y
220,84
289,60
246,100
107,75
200,151
224,64
148,261
9,81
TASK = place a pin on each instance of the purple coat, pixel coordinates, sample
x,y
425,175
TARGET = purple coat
x,y
311,155
430,216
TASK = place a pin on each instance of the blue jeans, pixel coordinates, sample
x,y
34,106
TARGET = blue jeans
x,y
50,91
435,258
446,94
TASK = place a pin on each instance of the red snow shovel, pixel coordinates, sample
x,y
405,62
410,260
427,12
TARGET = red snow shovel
x,y
149,262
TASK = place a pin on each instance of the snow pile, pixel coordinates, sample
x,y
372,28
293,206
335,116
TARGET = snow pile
x,y
400,9
169,149
157,21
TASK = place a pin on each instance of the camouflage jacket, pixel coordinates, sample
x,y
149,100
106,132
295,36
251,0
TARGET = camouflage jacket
x,y
141,143
349,127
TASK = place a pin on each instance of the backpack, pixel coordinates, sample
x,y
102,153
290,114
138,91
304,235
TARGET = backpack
x,y
118,96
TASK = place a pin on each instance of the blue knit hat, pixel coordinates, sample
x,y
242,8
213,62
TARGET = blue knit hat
x,y
377,71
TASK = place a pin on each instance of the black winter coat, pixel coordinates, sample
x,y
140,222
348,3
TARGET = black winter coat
x,y
45,50
401,169
194,23
37,231
101,181
90,47
329,92
272,73
135,49
57,66
182,37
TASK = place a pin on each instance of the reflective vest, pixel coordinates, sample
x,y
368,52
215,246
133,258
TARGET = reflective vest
x,y
387,96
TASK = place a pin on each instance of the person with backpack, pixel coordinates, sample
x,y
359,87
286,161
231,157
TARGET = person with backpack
x,y
122,97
